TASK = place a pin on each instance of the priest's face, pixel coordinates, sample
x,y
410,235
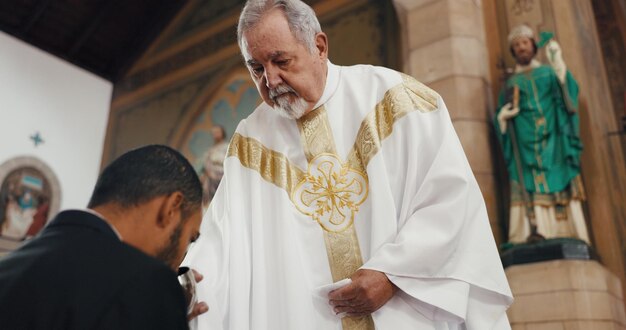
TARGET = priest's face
x,y
289,76
523,49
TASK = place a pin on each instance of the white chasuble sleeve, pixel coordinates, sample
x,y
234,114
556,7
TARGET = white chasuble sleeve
x,y
209,256
443,258
224,245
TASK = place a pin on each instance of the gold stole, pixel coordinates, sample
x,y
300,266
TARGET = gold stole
x,y
331,191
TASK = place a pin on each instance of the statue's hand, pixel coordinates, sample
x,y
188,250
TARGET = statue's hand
x,y
555,58
506,112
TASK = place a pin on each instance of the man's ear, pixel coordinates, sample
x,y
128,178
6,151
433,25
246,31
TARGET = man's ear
x,y
171,209
321,43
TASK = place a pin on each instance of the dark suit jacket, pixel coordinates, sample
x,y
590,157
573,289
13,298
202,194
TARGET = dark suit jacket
x,y
78,275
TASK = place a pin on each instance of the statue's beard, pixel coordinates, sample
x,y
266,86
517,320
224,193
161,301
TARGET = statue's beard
x,y
287,102
524,58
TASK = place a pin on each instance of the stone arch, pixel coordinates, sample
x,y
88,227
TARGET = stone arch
x,y
234,98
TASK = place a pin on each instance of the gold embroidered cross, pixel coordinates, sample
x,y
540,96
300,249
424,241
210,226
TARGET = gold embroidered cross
x,y
330,192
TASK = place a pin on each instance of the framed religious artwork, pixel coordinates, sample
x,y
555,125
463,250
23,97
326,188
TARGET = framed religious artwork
x,y
29,196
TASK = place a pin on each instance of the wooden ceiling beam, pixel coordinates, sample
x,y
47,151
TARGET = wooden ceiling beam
x,y
121,62
104,10
35,16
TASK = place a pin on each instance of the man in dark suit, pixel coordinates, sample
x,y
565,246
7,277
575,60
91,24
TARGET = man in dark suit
x,y
110,266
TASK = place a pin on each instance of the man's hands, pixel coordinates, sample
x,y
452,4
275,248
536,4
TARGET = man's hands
x,y
368,291
200,307
506,112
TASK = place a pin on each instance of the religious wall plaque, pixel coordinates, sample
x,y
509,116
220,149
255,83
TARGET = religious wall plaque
x,y
29,196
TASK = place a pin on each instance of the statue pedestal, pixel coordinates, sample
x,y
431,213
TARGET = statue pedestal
x,y
565,294
549,249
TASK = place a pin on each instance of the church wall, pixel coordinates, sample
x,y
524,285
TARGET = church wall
x,y
66,105
611,22
52,123
443,45
193,77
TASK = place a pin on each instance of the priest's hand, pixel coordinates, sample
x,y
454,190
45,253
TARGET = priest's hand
x,y
368,291
200,307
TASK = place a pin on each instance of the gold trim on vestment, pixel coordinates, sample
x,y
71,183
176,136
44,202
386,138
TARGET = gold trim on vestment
x,y
400,100
330,192
540,130
342,244
273,166
316,135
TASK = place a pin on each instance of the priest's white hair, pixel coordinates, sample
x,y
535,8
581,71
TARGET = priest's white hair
x,y
301,19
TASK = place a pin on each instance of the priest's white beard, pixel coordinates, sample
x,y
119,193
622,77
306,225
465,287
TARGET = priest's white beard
x,y
282,103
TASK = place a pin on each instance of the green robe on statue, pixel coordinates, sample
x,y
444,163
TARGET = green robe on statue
x,y
546,130
548,141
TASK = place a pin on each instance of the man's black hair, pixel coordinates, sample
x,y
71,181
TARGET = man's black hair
x,y
145,173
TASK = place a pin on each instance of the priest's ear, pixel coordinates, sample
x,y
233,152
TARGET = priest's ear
x,y
321,43
170,213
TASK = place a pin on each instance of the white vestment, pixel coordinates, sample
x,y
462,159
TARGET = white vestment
x,y
417,212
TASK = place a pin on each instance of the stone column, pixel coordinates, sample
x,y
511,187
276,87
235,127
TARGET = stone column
x,y
603,166
443,46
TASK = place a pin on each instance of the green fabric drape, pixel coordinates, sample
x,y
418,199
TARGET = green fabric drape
x,y
546,129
